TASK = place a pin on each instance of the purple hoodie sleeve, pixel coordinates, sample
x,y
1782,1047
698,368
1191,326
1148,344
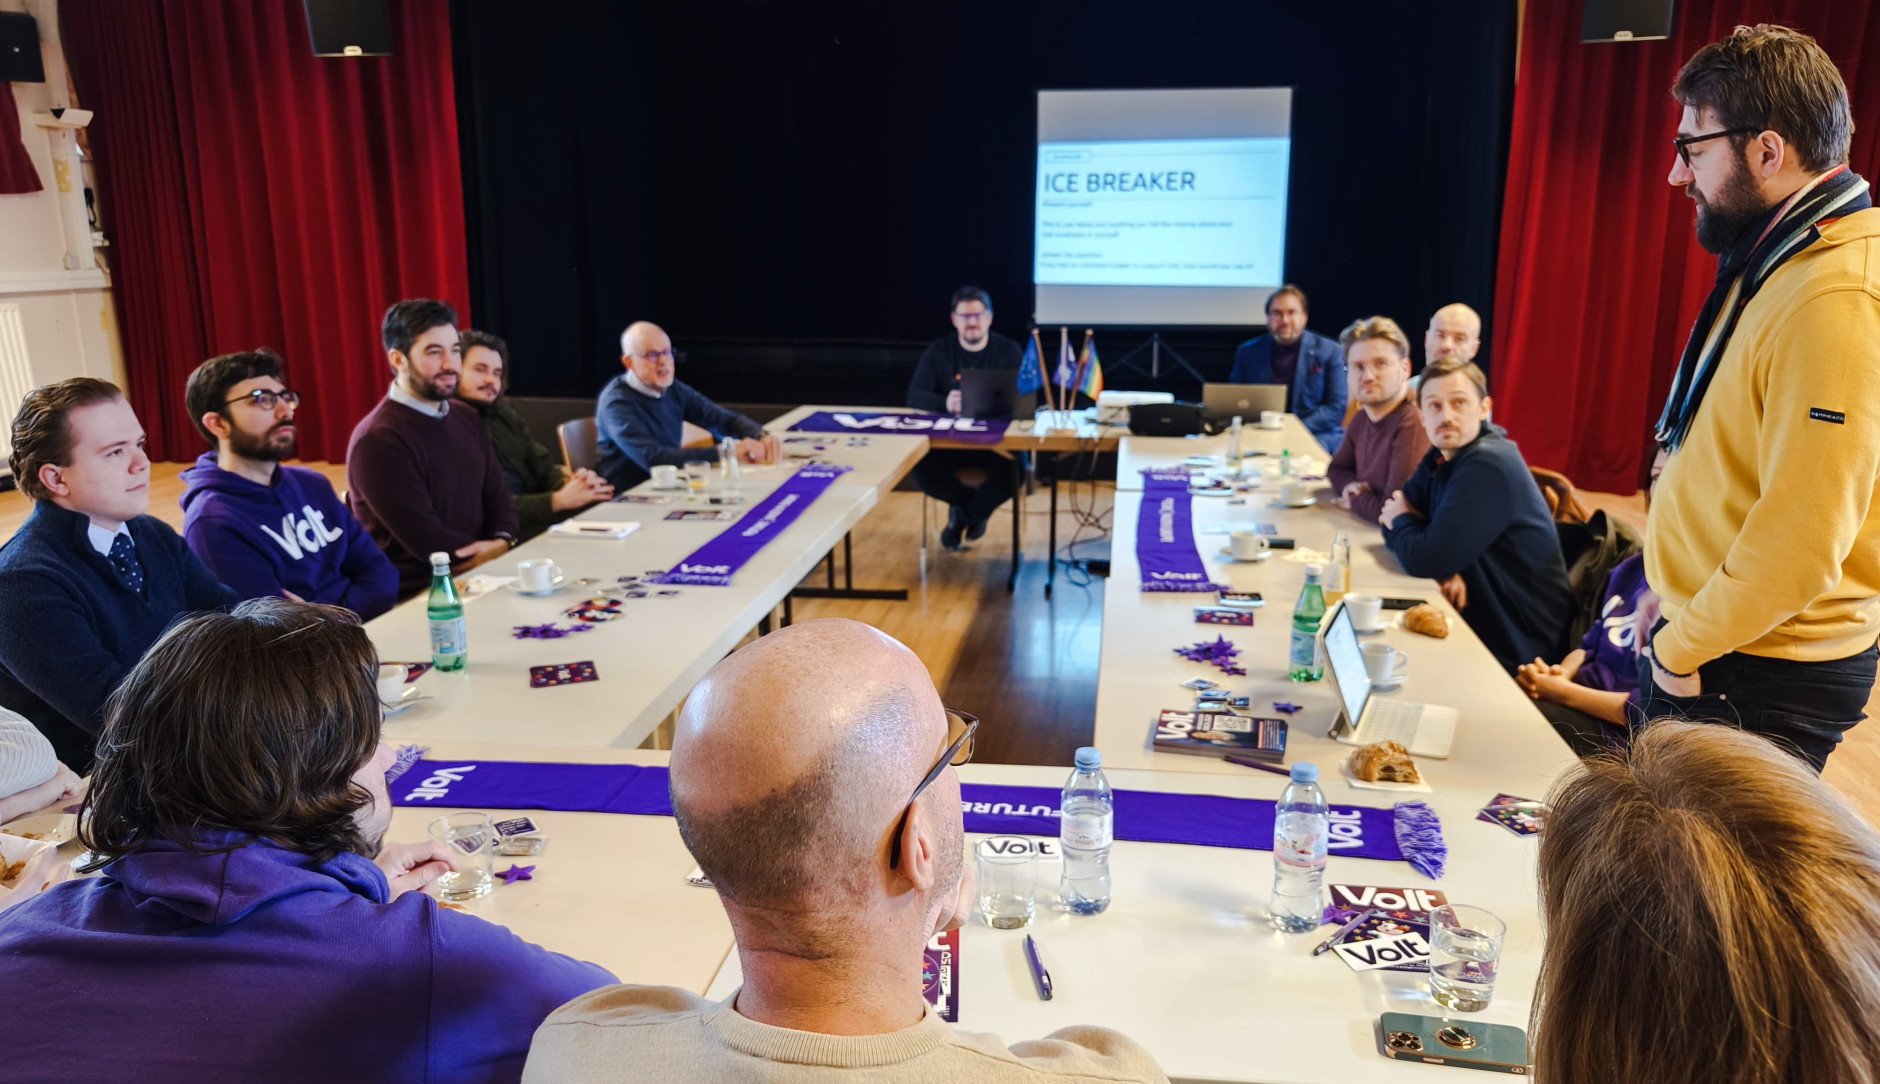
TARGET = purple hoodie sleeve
x,y
374,581
491,990
231,556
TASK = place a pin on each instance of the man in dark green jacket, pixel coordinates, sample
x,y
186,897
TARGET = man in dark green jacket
x,y
545,491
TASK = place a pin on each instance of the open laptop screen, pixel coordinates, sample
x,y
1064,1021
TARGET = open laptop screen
x,y
1347,665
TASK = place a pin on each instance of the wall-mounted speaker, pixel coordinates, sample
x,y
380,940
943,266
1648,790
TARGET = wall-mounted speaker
x,y
349,28
19,49
1627,20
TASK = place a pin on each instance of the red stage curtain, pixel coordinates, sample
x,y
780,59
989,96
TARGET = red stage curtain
x,y
1600,273
17,175
259,196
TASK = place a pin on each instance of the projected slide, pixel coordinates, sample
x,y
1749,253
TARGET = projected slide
x,y
1177,212
1160,207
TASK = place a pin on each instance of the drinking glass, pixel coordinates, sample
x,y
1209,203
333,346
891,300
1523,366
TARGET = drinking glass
x,y
1465,948
470,838
698,473
1008,879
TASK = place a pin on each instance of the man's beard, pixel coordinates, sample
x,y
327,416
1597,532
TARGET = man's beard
x,y
432,389
1721,225
262,447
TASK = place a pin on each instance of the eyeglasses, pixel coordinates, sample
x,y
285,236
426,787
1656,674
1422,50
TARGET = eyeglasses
x,y
1683,143
972,315
266,399
657,355
961,728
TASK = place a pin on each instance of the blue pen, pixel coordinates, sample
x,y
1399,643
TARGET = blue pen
x,y
1039,976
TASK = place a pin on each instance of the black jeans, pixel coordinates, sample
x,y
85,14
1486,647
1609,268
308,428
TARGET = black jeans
x,y
938,476
1805,706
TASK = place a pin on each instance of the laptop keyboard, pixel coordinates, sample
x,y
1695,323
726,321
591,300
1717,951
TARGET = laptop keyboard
x,y
1390,720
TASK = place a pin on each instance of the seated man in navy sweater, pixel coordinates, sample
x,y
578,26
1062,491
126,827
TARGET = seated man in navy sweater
x,y
1472,518
642,414
1310,365
264,528
90,582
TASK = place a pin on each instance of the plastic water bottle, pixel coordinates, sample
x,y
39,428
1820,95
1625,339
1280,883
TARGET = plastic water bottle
x,y
1233,447
1300,829
1285,462
1086,827
1338,576
729,477
1303,658
450,640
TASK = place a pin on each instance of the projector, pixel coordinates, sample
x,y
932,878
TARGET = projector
x,y
1113,406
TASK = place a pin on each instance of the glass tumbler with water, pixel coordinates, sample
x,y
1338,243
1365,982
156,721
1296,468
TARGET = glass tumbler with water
x,y
1465,949
471,840
1008,881
698,476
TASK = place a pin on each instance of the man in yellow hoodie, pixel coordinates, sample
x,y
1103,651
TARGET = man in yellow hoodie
x,y
1764,541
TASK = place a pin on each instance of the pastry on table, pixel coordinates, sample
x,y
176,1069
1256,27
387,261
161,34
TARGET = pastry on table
x,y
1427,620
1384,762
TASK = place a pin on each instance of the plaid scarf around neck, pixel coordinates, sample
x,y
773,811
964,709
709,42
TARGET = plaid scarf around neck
x,y
1795,226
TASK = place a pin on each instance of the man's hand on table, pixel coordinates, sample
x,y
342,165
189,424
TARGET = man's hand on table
x,y
412,867
765,449
1397,505
954,401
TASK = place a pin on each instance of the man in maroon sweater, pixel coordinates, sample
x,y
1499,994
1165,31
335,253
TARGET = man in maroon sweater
x,y
1384,440
423,473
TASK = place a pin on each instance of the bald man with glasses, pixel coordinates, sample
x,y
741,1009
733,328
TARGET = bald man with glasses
x,y
642,413
812,780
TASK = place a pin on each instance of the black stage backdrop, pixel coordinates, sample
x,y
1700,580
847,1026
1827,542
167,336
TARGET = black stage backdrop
x,y
794,189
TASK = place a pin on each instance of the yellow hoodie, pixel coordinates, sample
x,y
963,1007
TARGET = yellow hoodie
x,y
1764,535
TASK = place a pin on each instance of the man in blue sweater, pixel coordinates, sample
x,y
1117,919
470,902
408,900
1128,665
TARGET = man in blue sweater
x,y
642,414
262,527
1310,365
251,922
90,581
1472,518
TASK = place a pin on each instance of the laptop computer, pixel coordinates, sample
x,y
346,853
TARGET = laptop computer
x,y
1220,402
992,394
1427,730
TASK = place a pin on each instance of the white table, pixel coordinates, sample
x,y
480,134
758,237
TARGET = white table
x,y
1137,454
648,660
1185,962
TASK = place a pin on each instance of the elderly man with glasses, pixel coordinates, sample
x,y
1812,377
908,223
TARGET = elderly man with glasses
x,y
812,780
264,528
642,414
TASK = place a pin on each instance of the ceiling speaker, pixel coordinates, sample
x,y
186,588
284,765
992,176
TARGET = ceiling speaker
x,y
1626,20
349,28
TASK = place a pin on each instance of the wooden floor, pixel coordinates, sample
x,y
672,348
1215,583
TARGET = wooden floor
x,y
1025,664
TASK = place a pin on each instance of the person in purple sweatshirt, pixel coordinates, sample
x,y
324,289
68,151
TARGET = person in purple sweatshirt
x,y
250,922
262,527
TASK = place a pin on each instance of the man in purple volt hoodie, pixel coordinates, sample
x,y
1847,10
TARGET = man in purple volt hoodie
x,y
250,924
262,527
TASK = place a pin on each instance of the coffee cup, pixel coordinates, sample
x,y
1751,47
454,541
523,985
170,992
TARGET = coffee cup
x,y
1383,663
392,677
1247,545
1365,610
538,574
1270,419
666,476
1292,493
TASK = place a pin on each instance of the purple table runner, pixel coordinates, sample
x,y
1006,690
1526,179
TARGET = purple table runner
x,y
714,563
1165,536
1201,820
946,427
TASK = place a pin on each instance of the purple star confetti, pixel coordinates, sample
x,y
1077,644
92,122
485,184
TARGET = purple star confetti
x,y
517,873
1281,705
550,631
1217,652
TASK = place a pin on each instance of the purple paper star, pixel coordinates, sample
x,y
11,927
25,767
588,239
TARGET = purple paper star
x,y
1281,705
517,873
1217,652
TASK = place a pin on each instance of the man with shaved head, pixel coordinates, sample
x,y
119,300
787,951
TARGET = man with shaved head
x,y
642,414
1455,333
812,780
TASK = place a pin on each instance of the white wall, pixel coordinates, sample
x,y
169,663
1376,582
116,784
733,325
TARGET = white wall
x,y
61,296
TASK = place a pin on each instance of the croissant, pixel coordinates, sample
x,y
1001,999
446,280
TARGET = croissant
x,y
1384,762
1427,620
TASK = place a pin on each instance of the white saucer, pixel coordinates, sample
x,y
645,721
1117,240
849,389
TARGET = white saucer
x,y
1372,629
1390,686
1270,428
1307,503
680,488
1227,551
410,696
560,583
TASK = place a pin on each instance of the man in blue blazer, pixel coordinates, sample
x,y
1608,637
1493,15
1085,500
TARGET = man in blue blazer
x,y
1310,365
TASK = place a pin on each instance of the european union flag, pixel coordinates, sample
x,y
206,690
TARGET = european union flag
x,y
1031,370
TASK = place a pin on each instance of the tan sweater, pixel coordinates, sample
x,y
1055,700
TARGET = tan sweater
x,y
659,1033
1765,532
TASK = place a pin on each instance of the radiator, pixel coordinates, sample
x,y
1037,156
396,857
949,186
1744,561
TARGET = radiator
x,y
16,374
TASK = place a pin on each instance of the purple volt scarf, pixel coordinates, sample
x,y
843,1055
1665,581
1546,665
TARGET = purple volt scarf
x,y
940,426
713,564
1201,820
1165,536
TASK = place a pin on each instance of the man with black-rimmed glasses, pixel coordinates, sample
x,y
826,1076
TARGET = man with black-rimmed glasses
x,y
262,527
